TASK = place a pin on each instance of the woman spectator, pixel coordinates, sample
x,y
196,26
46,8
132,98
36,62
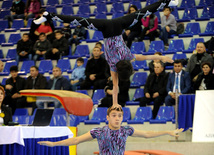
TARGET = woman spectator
x,y
32,9
134,31
150,27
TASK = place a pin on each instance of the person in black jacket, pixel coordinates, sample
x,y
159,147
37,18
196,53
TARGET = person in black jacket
x,y
97,71
17,11
13,85
5,112
59,47
155,88
24,48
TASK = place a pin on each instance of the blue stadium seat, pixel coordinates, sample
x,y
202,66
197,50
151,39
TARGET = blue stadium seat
x,y
117,14
179,56
59,111
126,114
51,9
165,113
82,91
209,31
205,15
158,16
139,92
117,8
7,66
27,28
175,46
193,44
83,118
100,16
1,55
139,79
139,65
45,66
21,112
53,2
187,4
98,116
205,3
175,13
67,2
211,11
2,39
149,2
22,119
81,51
191,29
96,37
97,95
64,65
84,9
189,14
156,46
138,48
84,1
67,10
136,3
11,54
13,39
142,115
3,82
17,24
60,120
101,8
26,67
4,13
6,4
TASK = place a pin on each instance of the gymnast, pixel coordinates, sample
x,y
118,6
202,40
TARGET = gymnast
x,y
112,137
117,54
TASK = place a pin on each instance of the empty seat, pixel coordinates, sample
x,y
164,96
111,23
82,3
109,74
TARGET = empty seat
x,y
4,13
126,114
26,66
211,11
67,10
99,115
98,94
13,39
17,24
83,118
139,92
100,16
193,44
117,7
1,54
11,54
2,39
138,48
187,4
175,46
209,31
100,8
84,9
98,35
59,111
67,2
139,79
205,15
52,2
45,66
64,65
179,56
156,46
142,114
189,14
139,65
117,14
191,29
3,82
175,13
21,112
84,1
81,51
7,4
51,9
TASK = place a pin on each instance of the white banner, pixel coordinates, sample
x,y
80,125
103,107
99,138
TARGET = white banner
x,y
203,122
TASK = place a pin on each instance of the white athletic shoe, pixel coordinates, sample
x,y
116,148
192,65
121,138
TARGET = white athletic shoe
x,y
173,3
41,19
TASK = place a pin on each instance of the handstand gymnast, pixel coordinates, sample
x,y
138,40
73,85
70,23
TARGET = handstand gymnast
x,y
117,54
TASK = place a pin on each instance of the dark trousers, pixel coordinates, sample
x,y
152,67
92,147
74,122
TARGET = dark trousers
x,y
157,103
50,55
151,35
130,37
97,84
107,102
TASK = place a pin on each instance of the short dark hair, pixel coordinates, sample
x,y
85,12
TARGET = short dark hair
x,y
124,70
58,31
35,67
178,61
132,6
80,59
25,34
167,7
42,33
42,10
14,68
98,43
206,63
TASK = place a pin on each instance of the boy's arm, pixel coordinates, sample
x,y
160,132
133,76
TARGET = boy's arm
x,y
69,141
164,59
152,134
114,76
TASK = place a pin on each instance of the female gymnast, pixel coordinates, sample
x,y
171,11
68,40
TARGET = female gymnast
x,y
112,137
117,54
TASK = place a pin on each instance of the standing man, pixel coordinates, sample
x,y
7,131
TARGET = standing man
x,y
179,80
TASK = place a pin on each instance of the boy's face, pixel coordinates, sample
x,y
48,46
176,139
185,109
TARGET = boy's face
x,y
42,38
58,36
166,12
79,63
114,119
25,38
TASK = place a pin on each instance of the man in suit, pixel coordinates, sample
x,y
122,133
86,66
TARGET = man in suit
x,y
179,80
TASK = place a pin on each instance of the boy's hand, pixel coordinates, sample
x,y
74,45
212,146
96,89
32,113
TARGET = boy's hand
x,y
46,143
175,133
166,59
116,105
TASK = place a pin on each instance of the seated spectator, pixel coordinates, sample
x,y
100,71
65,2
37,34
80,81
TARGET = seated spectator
x,y
204,80
150,28
17,11
44,28
96,71
59,47
41,47
151,64
24,48
58,82
79,34
179,80
32,9
155,88
78,74
134,31
123,94
195,61
13,85
66,30
168,25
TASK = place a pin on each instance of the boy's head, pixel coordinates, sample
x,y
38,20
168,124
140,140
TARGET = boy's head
x,y
99,44
42,36
14,71
166,11
25,37
114,117
58,34
124,70
80,61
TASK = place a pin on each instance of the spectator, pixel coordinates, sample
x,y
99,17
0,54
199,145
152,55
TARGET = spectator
x,y
79,34
24,48
195,61
66,30
59,47
1,66
155,88
179,80
134,31
151,64
32,9
78,74
58,82
17,11
13,85
150,27
204,80
35,81
41,47
123,94
44,28
96,71
168,25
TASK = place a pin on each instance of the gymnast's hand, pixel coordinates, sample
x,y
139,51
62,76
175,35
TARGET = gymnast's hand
x,y
116,105
175,133
166,59
46,143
